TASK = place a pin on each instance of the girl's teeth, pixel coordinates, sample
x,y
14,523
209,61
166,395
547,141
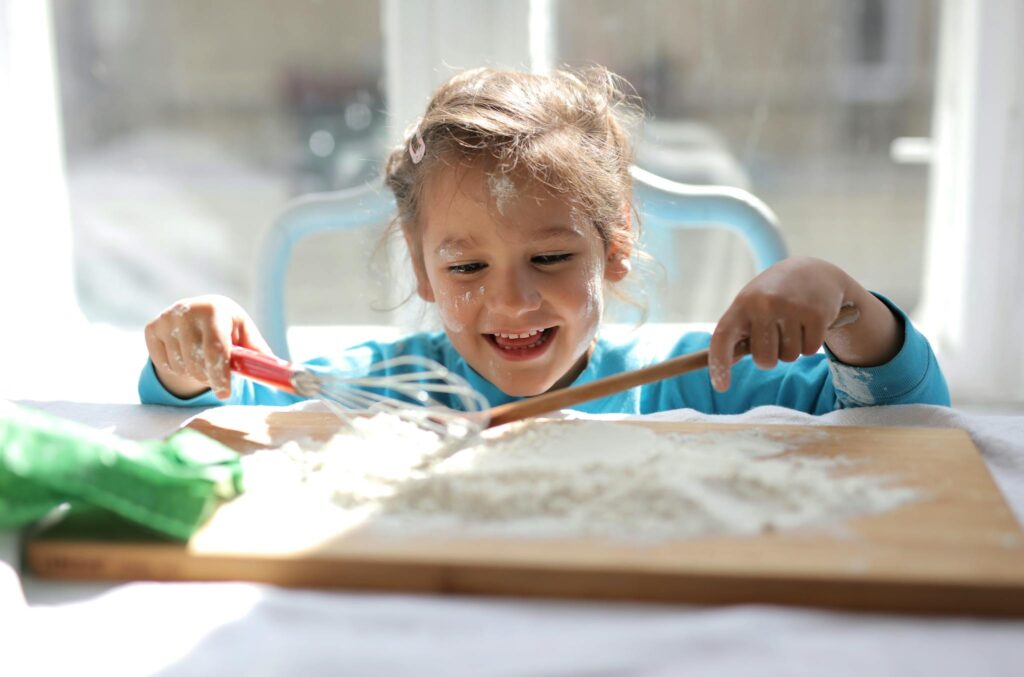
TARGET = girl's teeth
x,y
538,336
532,332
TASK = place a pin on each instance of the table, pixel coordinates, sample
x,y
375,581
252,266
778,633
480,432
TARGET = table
x,y
216,628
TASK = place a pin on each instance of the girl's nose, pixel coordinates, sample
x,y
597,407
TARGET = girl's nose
x,y
513,294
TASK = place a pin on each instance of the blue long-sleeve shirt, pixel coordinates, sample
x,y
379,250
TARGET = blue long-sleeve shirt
x,y
814,384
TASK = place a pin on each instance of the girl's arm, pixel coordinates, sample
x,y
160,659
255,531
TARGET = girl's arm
x,y
785,312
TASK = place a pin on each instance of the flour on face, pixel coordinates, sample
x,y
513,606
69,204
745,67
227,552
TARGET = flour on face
x,y
448,306
503,190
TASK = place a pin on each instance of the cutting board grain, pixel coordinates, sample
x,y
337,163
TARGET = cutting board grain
x,y
959,550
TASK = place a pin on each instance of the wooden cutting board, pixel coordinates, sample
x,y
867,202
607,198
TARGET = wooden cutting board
x,y
960,550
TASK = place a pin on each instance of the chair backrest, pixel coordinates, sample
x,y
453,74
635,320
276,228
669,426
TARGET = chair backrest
x,y
663,204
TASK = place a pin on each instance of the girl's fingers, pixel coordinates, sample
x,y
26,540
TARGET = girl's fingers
x,y
192,339
722,351
195,359
216,358
790,340
247,335
813,336
175,358
764,344
169,334
157,352
190,347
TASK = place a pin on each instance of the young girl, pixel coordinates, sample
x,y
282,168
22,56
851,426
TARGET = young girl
x,y
514,199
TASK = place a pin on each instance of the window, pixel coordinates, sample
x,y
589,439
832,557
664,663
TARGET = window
x,y
800,103
188,124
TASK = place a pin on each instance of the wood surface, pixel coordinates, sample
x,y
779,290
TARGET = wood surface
x,y
958,550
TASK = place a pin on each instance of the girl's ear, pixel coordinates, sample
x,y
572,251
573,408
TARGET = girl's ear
x,y
617,264
423,287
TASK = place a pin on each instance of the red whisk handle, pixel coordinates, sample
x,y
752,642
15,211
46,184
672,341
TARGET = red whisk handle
x,y
264,368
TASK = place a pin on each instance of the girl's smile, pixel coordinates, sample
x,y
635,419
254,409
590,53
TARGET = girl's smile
x,y
524,345
518,281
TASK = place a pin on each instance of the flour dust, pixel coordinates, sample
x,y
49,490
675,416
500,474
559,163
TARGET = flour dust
x,y
568,479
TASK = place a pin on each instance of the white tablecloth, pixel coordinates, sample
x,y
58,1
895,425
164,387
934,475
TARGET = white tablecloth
x,y
229,628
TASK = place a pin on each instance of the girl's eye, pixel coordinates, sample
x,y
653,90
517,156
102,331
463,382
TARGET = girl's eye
x,y
466,268
550,259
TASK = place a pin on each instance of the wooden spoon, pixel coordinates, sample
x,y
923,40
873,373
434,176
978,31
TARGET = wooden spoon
x,y
567,397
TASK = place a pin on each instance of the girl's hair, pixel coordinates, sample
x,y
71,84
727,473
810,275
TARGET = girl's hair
x,y
566,130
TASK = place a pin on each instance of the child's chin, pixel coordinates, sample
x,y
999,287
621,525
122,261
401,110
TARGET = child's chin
x,y
522,392
519,389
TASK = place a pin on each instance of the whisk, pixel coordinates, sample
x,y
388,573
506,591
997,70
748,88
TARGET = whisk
x,y
466,412
410,387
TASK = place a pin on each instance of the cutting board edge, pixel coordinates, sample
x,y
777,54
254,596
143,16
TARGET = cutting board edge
x,y
173,563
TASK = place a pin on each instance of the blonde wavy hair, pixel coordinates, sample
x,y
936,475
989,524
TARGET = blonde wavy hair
x,y
566,130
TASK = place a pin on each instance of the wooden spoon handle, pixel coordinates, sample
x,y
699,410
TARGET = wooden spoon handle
x,y
567,397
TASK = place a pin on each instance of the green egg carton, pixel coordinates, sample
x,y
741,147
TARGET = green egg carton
x,y
169,487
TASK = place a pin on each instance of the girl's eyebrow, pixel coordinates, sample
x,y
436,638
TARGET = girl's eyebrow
x,y
450,245
553,232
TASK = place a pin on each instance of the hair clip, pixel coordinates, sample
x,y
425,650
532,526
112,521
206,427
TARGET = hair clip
x,y
417,148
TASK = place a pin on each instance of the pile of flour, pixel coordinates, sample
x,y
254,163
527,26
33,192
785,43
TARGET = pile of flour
x,y
580,478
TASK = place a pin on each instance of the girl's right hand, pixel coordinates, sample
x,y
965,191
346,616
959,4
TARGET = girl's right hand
x,y
190,344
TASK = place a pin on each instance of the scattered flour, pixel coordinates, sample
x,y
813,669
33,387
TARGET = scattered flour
x,y
503,190
581,478
852,381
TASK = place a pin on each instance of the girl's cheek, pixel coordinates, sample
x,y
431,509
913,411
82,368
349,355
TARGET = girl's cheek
x,y
592,289
595,290
453,306
590,304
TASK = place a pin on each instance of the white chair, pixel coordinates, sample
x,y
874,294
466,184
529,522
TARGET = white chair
x,y
663,205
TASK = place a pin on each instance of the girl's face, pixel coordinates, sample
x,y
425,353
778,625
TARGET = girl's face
x,y
517,277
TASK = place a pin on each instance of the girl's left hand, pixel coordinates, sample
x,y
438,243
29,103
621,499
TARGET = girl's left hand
x,y
786,312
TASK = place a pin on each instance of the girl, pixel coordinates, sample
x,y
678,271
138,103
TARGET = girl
x,y
514,199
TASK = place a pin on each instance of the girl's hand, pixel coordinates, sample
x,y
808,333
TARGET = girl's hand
x,y
787,310
190,344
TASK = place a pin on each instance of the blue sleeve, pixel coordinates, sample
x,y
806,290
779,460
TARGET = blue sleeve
x,y
816,384
913,376
243,391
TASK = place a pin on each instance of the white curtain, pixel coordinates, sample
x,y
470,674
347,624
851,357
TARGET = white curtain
x,y
36,278
40,324
972,307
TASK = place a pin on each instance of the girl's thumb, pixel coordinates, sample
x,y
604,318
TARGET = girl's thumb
x,y
249,336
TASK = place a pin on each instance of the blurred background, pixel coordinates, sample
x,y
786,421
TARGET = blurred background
x,y
188,124
184,127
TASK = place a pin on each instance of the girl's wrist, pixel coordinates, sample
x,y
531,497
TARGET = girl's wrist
x,y
182,387
874,339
